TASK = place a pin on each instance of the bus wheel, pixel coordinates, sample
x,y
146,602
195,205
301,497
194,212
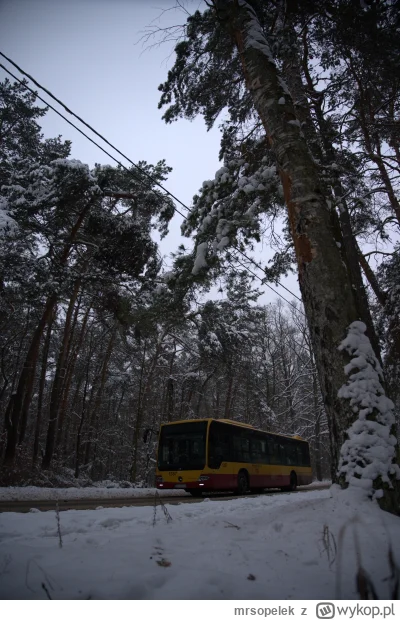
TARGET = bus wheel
x,y
195,492
293,483
242,483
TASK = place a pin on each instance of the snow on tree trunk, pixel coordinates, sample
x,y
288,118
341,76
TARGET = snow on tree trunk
x,y
368,456
323,276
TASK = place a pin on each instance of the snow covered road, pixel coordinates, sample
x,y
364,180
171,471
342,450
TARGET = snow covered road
x,y
109,499
299,546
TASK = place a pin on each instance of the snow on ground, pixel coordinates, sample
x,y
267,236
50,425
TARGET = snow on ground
x,y
37,493
283,546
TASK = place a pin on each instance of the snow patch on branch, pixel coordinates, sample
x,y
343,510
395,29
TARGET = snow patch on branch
x,y
255,37
370,450
74,164
200,260
77,166
223,243
6,222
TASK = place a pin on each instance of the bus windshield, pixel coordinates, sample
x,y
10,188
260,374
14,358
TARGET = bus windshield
x,y
182,446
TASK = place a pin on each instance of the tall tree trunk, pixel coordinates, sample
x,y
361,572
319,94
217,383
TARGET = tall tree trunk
x,y
84,404
15,370
58,380
94,414
42,382
317,424
168,408
70,373
20,347
317,452
142,406
201,391
19,403
138,416
372,143
233,400
72,421
81,422
327,155
374,284
6,380
227,411
323,276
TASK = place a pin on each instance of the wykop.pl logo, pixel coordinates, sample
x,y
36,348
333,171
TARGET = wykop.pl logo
x,y
325,611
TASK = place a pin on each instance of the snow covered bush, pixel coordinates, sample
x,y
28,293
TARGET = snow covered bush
x,y
369,453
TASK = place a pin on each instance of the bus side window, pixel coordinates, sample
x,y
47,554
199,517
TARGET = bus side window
x,y
258,449
241,447
223,448
245,449
306,454
273,451
292,453
300,454
283,453
236,448
218,446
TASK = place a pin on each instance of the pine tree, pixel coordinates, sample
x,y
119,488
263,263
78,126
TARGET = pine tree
x,y
73,240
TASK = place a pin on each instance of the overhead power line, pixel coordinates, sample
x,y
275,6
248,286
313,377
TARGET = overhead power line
x,y
259,267
92,129
270,287
141,171
48,105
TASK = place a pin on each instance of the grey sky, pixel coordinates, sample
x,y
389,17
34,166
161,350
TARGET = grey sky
x,y
86,53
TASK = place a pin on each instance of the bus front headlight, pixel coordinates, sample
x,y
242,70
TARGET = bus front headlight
x,y
203,478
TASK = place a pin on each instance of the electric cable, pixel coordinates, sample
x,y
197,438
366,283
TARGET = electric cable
x,y
48,105
128,159
92,129
268,286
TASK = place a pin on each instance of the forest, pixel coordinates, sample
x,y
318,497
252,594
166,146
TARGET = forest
x,y
102,340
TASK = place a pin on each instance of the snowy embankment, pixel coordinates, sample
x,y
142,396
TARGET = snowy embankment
x,y
37,493
293,546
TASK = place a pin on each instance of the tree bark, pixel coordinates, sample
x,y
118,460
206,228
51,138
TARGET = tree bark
x,y
227,410
42,382
94,414
70,371
142,404
19,403
380,294
138,415
81,422
58,380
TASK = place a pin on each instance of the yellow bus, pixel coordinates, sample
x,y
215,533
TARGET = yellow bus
x,y
221,455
